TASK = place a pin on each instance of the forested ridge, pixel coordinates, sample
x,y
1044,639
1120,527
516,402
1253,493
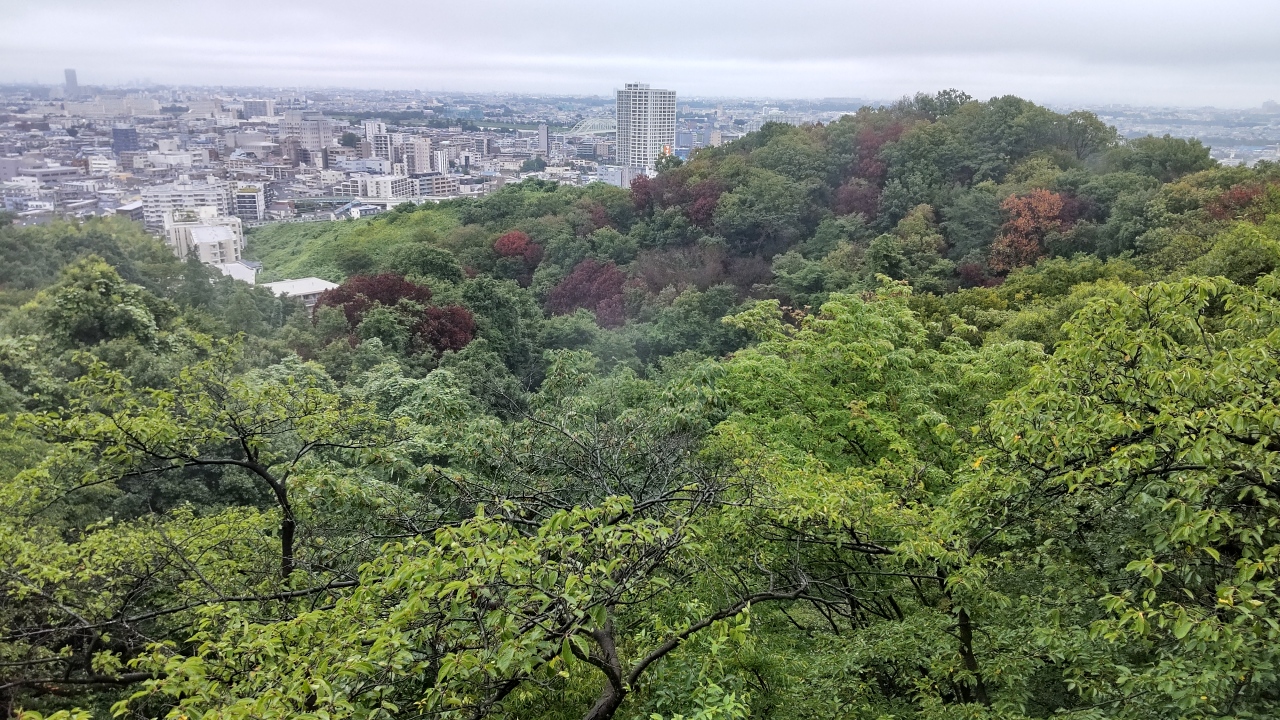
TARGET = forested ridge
x,y
947,409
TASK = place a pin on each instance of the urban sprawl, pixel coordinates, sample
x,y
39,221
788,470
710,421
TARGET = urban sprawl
x,y
199,167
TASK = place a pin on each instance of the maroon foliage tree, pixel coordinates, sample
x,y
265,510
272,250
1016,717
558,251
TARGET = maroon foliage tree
x,y
704,197
599,217
867,164
518,244
857,196
444,328
512,244
433,328
610,312
360,292
1075,208
1244,202
642,194
593,285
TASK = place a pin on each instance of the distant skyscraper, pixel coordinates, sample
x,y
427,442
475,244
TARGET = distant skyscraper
x,y
646,124
259,108
124,138
73,88
544,140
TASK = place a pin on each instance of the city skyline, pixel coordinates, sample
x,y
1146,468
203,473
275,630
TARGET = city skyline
x,y
1187,53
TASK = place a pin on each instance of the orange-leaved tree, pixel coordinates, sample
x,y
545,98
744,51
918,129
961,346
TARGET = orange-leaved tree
x,y
1031,218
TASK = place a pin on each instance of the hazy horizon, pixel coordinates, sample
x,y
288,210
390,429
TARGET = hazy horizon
x,y
1179,53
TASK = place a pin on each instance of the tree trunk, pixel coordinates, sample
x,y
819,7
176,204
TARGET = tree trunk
x,y
611,665
609,702
287,527
970,660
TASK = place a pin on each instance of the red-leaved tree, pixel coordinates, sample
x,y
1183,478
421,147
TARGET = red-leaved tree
x,y
518,244
593,285
443,328
868,165
857,196
704,196
1030,218
642,194
359,293
1246,202
432,329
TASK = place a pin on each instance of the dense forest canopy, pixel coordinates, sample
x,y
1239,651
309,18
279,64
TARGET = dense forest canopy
x,y
948,409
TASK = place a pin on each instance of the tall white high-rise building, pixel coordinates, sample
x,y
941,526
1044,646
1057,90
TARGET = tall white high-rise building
x,y
646,124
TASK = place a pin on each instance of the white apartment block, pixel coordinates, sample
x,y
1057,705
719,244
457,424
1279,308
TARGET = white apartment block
x,y
391,186
440,161
377,186
184,194
383,146
438,185
313,130
101,164
214,239
374,127
417,156
249,202
646,124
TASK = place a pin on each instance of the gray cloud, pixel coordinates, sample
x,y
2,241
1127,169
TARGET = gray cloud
x,y
1139,51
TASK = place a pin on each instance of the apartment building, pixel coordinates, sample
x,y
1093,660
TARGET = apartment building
x,y
185,194
249,201
646,124
214,239
438,185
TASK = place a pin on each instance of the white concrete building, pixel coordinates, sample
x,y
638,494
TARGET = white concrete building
x,y
313,130
184,194
363,185
101,164
374,127
308,289
417,156
390,186
438,185
239,270
214,239
646,124
249,202
383,146
440,161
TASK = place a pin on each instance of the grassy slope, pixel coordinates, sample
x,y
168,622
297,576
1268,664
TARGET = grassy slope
x,y
310,249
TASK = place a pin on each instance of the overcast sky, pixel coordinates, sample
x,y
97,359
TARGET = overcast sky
x,y
1223,52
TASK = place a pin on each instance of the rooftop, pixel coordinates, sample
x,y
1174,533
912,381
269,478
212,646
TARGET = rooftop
x,y
300,286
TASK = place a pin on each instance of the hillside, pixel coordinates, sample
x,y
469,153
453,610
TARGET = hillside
x,y
334,250
950,409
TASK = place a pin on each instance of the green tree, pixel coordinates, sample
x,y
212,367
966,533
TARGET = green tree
x,y
210,417
1164,158
1138,464
666,163
767,211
